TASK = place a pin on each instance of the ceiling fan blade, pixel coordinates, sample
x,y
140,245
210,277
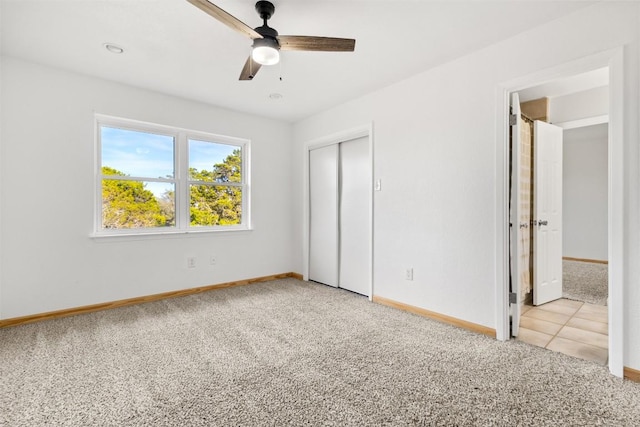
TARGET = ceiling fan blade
x,y
322,44
226,18
250,69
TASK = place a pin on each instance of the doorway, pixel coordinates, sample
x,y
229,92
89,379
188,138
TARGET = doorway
x,y
558,308
613,61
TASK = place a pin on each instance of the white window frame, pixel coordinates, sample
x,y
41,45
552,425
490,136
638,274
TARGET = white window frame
x,y
181,179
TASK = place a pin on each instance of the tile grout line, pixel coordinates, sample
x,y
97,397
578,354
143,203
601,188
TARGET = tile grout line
x,y
565,324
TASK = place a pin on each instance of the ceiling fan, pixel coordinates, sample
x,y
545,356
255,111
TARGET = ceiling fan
x,y
267,42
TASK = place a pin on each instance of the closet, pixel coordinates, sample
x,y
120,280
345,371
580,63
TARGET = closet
x,y
339,215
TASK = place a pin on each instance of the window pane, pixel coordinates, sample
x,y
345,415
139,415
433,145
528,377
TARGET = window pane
x,y
137,204
212,162
215,205
133,153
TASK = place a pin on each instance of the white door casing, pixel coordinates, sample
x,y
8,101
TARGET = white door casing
x,y
547,241
614,60
346,159
515,229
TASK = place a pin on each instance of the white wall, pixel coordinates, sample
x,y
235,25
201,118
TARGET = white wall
x,y
585,192
49,262
435,145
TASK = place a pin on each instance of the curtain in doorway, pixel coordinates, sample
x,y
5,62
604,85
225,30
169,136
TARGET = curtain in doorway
x,y
526,204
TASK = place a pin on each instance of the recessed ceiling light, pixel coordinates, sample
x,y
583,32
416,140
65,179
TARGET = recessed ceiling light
x,y
275,96
113,48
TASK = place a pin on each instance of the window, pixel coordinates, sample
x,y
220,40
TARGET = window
x,y
155,179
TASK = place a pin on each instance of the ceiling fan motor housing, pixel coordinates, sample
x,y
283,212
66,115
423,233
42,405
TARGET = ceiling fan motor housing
x,y
266,9
266,31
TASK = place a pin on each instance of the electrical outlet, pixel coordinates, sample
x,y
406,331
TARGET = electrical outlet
x,y
191,262
378,185
408,274
212,260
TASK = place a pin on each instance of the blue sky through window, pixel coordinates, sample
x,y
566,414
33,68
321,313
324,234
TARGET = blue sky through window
x,y
203,155
151,155
138,154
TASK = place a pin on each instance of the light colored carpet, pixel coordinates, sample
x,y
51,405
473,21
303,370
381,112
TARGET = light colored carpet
x,y
585,281
291,353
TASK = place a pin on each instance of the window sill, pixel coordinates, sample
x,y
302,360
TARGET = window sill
x,y
164,234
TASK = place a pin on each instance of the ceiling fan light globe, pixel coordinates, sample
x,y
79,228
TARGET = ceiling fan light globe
x,y
265,55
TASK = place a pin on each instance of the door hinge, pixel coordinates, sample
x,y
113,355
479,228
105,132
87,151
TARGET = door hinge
x,y
513,298
513,119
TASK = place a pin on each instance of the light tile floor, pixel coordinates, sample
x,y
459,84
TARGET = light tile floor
x,y
572,327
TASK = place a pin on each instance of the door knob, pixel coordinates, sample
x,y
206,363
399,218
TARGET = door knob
x,y
541,222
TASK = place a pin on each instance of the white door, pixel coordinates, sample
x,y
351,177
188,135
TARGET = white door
x,y
323,215
514,218
355,227
547,241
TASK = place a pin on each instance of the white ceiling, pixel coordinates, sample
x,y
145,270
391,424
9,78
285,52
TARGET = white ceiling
x,y
175,48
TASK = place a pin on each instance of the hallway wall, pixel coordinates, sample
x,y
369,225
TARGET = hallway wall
x,y
585,193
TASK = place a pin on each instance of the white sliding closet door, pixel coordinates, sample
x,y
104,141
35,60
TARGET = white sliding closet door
x,y
323,218
340,220
354,223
